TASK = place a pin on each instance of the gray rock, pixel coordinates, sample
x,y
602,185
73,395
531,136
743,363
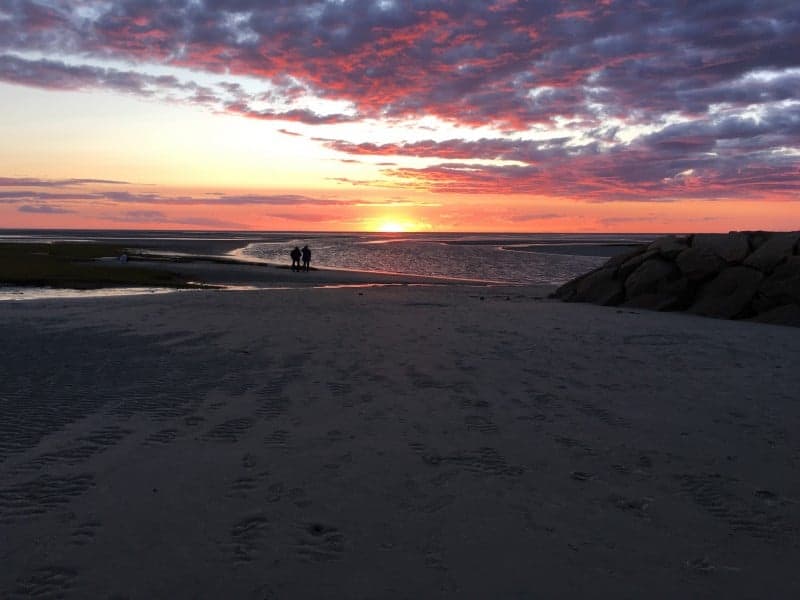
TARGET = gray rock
x,y
682,290
650,301
616,261
600,287
773,251
757,238
783,286
653,301
630,265
669,246
732,248
788,314
729,294
569,290
699,264
647,277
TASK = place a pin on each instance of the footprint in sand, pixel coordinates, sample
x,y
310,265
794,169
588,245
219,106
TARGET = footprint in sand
x,y
84,533
317,542
247,537
757,517
40,495
273,407
162,437
278,439
230,431
484,461
46,582
479,424
243,487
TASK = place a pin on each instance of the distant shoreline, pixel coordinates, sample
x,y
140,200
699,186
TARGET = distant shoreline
x,y
605,250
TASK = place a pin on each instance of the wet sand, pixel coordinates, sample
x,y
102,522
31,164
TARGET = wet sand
x,y
608,250
443,441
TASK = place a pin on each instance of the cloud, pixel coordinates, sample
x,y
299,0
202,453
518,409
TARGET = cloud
x,y
524,217
58,75
470,62
222,97
43,209
304,217
297,115
154,216
123,197
650,100
735,154
34,182
127,197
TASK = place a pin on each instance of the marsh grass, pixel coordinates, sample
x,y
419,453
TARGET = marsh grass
x,y
75,265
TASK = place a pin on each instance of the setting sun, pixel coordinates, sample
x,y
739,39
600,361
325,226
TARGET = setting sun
x,y
391,227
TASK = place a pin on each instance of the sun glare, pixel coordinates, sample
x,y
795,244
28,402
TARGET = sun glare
x,y
391,227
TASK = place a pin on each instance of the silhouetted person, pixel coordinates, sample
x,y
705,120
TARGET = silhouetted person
x,y
295,254
306,257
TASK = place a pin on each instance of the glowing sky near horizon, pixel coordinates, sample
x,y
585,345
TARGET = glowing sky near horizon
x,y
466,115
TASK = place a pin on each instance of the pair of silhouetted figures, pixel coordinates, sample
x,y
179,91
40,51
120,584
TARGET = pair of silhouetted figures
x,y
297,254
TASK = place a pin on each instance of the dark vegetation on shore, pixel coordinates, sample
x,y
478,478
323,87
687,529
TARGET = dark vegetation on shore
x,y
77,266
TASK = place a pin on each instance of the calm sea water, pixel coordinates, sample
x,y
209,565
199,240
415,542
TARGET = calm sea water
x,y
513,258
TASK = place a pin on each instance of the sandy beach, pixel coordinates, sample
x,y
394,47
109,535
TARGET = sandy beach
x,y
405,441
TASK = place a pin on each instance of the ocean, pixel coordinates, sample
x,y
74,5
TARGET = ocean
x,y
507,258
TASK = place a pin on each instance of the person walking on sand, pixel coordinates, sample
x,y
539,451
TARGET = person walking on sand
x,y
306,257
295,254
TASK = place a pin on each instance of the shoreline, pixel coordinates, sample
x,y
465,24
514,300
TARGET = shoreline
x,y
183,270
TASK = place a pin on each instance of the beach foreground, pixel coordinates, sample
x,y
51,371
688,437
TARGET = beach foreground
x,y
394,442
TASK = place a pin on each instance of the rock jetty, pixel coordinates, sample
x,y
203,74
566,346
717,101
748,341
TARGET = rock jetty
x,y
751,275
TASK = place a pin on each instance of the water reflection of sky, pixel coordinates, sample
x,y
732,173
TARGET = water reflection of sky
x,y
476,257
43,293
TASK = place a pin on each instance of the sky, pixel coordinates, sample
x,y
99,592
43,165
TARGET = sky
x,y
400,115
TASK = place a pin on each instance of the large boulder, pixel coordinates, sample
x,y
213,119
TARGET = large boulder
x,y
757,238
673,295
619,259
782,287
669,246
788,314
600,287
698,264
732,248
743,275
568,291
648,276
652,301
633,263
776,248
729,294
